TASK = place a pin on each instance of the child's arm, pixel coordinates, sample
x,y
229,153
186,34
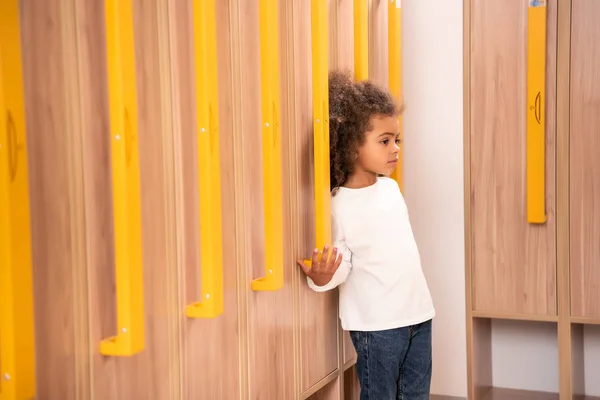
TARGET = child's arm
x,y
339,276
327,273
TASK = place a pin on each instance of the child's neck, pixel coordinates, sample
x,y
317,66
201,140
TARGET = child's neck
x,y
360,179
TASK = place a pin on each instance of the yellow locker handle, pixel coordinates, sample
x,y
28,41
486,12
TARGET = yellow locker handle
x,y
17,326
536,123
271,147
209,162
320,86
129,276
361,39
395,71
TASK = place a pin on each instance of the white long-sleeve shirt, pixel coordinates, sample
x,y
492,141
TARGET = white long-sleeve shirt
x,y
380,280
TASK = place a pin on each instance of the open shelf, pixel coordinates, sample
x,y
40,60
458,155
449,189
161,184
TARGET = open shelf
x,y
331,391
515,359
585,350
349,352
517,394
351,385
513,316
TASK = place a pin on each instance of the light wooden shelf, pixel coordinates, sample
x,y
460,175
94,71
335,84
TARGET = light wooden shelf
x,y
585,321
514,317
324,390
350,364
516,394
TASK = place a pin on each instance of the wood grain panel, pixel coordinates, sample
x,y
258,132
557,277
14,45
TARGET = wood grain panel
x,y
378,42
344,27
513,262
52,232
318,311
333,8
204,341
584,160
147,374
270,320
343,46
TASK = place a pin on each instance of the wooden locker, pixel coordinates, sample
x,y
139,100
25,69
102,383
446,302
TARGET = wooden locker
x,y
341,31
510,110
210,346
119,51
513,261
58,252
318,312
68,102
266,261
584,162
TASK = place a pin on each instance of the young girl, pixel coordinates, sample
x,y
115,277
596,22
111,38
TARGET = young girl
x,y
384,299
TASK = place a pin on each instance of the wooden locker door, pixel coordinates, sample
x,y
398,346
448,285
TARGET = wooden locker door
x,y
58,248
210,346
146,371
584,160
378,42
318,340
341,32
262,140
514,261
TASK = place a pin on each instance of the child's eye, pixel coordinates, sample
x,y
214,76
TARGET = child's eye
x,y
398,141
385,141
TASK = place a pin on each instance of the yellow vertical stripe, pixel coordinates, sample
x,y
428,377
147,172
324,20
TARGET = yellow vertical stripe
x,y
320,86
271,147
536,118
209,161
395,71
17,344
120,44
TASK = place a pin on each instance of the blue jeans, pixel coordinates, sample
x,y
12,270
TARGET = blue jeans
x,y
394,364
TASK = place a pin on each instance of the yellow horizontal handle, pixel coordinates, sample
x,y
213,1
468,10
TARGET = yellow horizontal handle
x,y
271,147
536,102
130,338
320,86
209,162
361,39
395,71
17,344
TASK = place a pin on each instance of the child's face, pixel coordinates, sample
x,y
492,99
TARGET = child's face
x,y
379,152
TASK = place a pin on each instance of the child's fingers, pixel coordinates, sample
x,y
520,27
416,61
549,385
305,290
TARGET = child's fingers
x,y
333,259
315,258
325,254
339,260
304,267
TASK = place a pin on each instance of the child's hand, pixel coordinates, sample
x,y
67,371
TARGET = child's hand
x,y
322,268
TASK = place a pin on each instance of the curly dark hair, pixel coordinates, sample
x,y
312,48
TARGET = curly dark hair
x,y
351,106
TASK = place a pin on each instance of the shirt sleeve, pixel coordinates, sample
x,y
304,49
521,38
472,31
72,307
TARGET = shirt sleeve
x,y
341,274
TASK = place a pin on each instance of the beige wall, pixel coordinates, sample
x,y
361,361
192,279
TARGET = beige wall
x,y
433,173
